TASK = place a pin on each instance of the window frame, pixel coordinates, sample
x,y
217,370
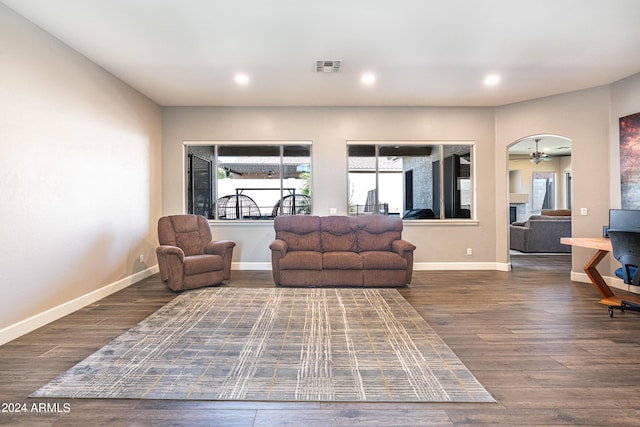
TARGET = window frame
x,y
281,144
440,145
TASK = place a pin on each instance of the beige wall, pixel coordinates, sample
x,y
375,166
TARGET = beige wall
x,y
80,178
582,116
85,176
439,246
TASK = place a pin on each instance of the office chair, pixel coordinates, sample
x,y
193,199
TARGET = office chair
x,y
626,249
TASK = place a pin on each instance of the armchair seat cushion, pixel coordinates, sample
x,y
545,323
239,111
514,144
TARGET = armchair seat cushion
x,y
342,261
196,264
380,260
302,260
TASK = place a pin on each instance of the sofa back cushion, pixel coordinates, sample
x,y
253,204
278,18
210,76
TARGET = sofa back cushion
x,y
549,218
338,234
556,212
545,218
301,232
377,232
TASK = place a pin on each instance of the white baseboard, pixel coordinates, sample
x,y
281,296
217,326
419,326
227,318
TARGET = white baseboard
x,y
416,266
612,281
499,266
25,326
251,265
583,278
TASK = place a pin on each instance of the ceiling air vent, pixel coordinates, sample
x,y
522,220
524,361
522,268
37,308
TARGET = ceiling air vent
x,y
324,66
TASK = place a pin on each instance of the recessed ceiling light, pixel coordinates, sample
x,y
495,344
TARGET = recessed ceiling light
x,y
492,79
368,79
242,79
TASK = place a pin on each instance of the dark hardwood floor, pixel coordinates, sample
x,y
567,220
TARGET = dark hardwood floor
x,y
540,344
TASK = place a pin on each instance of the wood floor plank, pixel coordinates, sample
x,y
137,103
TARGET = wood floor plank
x,y
354,417
540,344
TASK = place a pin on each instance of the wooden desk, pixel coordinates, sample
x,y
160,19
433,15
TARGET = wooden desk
x,y
603,247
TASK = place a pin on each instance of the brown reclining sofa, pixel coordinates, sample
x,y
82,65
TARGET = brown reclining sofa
x,y
364,251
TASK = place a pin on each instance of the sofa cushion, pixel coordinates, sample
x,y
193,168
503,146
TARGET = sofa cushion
x,y
381,260
301,232
338,233
301,260
342,277
375,233
342,261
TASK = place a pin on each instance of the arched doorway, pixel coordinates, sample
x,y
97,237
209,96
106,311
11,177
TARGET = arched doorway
x,y
540,181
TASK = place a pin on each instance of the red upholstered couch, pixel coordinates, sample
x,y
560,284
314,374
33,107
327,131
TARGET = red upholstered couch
x,y
341,251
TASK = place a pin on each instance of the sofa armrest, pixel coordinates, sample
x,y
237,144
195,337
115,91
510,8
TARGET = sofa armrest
x,y
405,250
279,246
402,246
278,251
518,236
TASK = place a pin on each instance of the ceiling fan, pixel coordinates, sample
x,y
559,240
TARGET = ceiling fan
x,y
538,156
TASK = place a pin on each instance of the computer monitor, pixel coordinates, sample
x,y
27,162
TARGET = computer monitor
x,y
624,219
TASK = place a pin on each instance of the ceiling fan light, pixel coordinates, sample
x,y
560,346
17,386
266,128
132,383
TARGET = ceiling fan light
x,y
535,159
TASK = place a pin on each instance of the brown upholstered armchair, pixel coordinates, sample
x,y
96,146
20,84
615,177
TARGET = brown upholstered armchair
x,y
187,256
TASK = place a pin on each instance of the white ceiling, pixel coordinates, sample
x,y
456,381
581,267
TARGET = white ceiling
x,y
423,52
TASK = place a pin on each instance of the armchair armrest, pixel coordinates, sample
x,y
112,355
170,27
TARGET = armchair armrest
x,y
224,248
219,247
171,264
167,251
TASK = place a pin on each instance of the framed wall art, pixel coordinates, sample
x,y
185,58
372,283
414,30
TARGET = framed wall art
x,y
630,161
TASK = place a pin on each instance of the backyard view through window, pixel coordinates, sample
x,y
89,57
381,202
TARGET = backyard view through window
x,y
250,182
411,180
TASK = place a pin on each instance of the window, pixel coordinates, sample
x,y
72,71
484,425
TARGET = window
x,y
543,191
411,180
248,181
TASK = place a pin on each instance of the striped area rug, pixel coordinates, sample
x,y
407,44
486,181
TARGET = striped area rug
x,y
278,344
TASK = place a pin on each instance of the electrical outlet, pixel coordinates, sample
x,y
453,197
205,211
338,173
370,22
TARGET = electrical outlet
x,y
141,258
469,251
